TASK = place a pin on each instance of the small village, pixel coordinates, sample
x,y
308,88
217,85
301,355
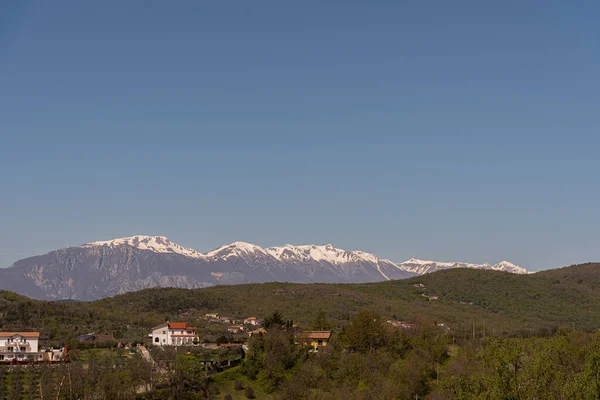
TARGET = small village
x,y
219,332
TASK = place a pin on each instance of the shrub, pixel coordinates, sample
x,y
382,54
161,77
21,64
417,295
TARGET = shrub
x,y
239,385
250,393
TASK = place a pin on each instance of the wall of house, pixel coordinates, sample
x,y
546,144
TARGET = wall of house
x,y
162,333
315,343
181,340
21,342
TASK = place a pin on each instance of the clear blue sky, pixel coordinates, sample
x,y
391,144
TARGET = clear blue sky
x,y
461,130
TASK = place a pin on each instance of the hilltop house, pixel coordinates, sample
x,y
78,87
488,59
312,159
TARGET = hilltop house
x,y
19,346
252,321
257,332
173,334
316,339
235,329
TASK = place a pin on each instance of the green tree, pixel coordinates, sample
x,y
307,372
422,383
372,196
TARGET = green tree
x,y
366,331
321,322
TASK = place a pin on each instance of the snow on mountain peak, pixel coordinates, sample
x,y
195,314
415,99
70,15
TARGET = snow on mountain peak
x,y
423,267
305,254
323,253
157,244
236,249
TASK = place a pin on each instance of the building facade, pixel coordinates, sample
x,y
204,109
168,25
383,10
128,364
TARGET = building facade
x,y
316,339
20,346
174,334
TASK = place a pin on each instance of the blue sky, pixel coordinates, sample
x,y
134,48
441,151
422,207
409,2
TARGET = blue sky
x,y
458,130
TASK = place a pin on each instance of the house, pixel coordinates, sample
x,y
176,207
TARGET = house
x,y
432,298
173,334
419,285
235,328
211,315
252,321
257,332
20,346
315,339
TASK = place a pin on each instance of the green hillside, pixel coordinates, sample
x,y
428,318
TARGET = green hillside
x,y
504,303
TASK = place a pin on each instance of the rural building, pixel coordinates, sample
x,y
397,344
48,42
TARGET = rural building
x,y
315,339
252,321
173,334
20,346
235,329
257,331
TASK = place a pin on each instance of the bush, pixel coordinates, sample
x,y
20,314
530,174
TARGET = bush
x,y
228,397
239,385
250,393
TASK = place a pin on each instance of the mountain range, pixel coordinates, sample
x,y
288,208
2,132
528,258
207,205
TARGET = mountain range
x,y
106,268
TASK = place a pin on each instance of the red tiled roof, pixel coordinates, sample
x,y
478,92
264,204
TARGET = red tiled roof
x,y
24,334
316,334
178,325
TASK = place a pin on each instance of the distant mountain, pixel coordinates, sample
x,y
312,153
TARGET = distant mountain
x,y
421,267
100,269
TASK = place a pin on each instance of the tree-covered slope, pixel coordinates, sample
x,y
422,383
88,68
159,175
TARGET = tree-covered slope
x,y
498,302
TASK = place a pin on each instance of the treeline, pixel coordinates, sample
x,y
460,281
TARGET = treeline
x,y
368,359
372,360
96,379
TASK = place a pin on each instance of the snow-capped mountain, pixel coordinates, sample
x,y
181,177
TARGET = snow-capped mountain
x,y
421,267
158,244
105,268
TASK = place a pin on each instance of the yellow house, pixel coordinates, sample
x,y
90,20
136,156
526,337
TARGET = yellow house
x,y
316,339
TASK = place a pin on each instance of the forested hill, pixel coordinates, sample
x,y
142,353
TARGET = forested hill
x,y
505,303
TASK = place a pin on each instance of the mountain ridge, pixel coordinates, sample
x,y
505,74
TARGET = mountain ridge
x,y
106,268
315,251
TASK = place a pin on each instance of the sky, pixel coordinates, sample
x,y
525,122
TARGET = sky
x,y
452,131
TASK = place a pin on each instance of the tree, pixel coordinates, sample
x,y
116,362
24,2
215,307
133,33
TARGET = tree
x,y
321,322
275,319
367,331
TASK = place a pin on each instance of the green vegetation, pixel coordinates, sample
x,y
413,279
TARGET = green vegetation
x,y
506,304
489,335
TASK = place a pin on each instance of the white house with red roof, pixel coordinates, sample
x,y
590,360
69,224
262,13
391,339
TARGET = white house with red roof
x,y
173,334
19,346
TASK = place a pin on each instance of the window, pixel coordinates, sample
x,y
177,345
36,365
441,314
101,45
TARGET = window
x,y
156,340
1,357
320,342
10,348
22,348
164,332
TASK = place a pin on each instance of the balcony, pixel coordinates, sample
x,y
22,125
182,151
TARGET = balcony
x,y
16,347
